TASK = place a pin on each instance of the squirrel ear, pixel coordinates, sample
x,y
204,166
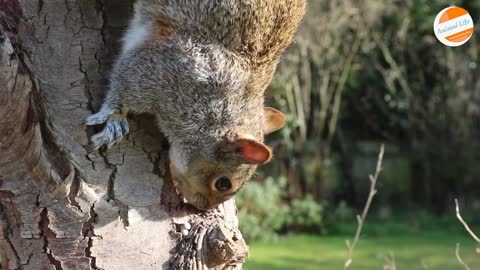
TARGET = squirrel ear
x,y
274,120
249,151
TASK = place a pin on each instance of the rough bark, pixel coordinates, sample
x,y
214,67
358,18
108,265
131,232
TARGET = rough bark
x,y
62,208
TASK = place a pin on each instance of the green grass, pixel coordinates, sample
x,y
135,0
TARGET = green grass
x,y
436,250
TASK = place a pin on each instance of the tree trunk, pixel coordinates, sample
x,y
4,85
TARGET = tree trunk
x,y
62,208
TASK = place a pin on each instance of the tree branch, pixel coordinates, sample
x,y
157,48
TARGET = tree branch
x,y
459,216
457,254
361,219
390,263
467,228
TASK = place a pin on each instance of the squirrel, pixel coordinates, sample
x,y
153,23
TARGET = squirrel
x,y
202,68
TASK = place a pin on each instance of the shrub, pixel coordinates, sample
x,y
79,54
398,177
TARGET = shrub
x,y
263,212
305,215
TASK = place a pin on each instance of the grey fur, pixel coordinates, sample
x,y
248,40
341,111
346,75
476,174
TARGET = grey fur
x,y
203,71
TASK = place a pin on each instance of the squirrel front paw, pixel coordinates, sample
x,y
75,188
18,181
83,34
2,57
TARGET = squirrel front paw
x,y
115,129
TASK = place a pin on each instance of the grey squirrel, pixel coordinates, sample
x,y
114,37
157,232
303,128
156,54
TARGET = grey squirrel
x,y
202,67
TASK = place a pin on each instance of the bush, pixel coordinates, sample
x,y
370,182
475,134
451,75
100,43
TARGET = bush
x,y
305,215
264,213
343,213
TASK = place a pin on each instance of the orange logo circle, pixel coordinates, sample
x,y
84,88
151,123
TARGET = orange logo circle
x,y
453,26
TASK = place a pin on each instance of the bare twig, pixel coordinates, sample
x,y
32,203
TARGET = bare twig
x,y
459,216
457,254
390,262
467,228
361,219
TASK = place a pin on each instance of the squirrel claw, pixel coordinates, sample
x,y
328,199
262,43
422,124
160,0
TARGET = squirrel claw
x,y
97,119
113,132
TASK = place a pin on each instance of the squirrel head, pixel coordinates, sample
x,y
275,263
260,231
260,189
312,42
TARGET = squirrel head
x,y
208,178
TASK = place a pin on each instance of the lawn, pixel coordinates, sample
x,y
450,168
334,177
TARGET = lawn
x,y
417,251
433,250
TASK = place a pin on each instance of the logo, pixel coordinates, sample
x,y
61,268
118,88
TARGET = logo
x,y
453,26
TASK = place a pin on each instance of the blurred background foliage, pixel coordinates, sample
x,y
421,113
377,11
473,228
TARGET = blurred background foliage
x,y
362,73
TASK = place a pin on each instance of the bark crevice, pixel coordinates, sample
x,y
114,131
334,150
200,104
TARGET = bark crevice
x,y
87,231
64,208
46,234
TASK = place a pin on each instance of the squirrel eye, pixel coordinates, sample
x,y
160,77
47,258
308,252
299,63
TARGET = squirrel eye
x,y
223,183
